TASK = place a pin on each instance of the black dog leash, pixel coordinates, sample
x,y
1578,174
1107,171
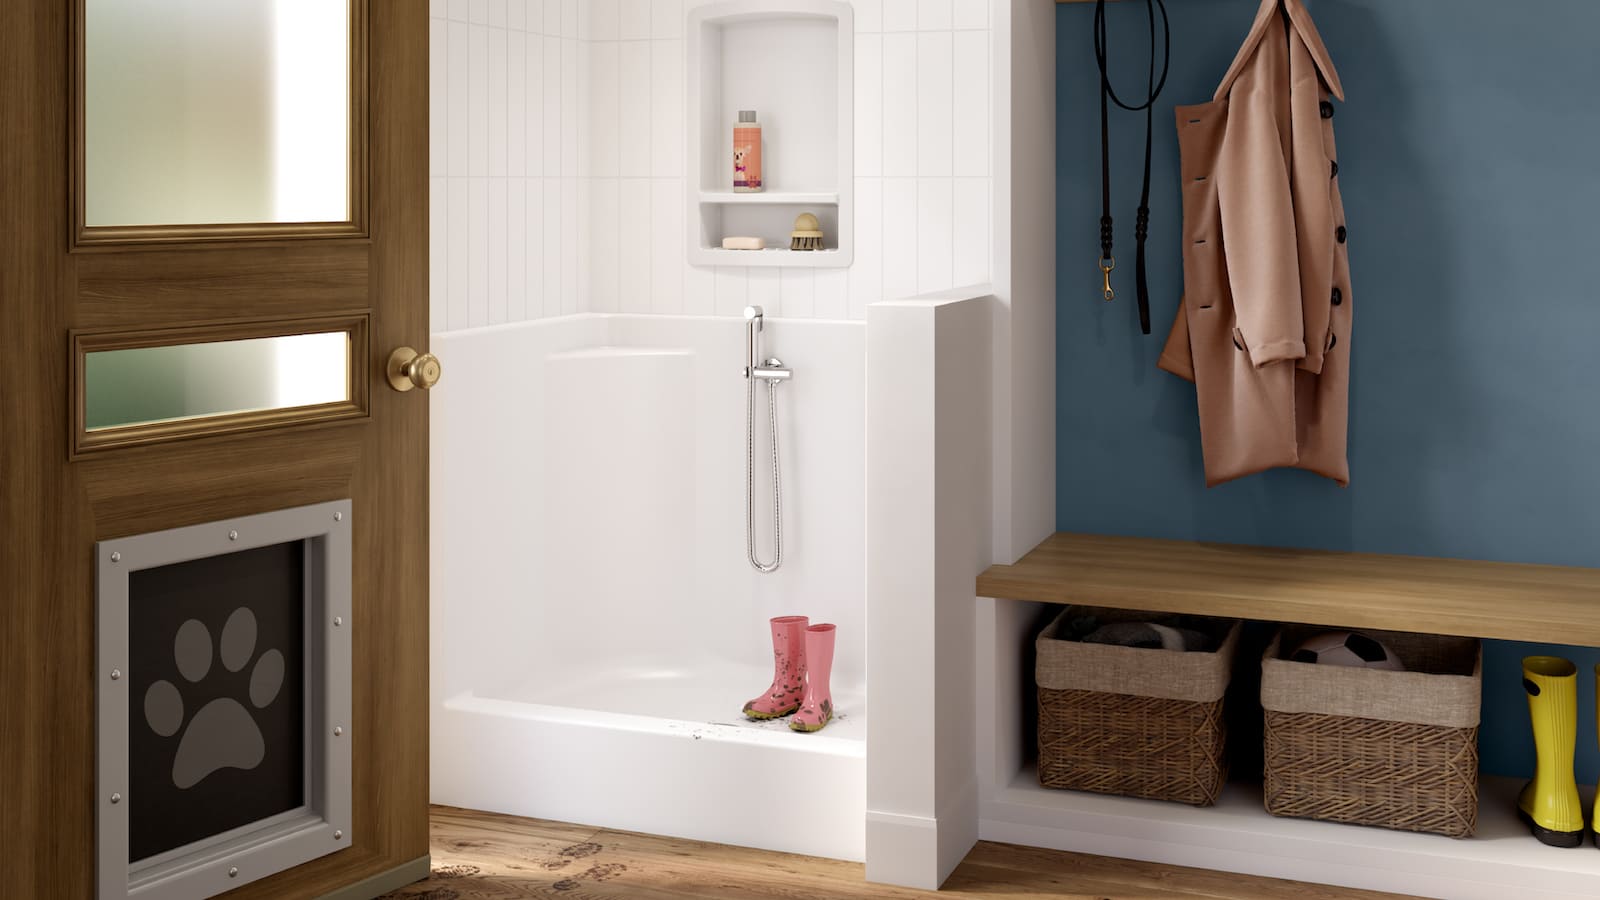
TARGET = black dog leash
x,y
1108,95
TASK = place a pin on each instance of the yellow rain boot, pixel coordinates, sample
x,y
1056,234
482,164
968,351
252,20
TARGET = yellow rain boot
x,y
1597,713
1550,804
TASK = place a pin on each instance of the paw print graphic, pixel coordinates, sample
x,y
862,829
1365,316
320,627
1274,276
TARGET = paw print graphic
x,y
222,734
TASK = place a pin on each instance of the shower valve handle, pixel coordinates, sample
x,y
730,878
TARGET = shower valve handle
x,y
773,370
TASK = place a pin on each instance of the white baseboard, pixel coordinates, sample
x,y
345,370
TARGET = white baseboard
x,y
921,851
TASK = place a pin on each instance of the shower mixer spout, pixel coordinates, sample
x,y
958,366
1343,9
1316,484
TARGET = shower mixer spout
x,y
773,372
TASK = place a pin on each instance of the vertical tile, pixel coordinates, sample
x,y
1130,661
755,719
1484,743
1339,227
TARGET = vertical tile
x,y
477,252
632,257
899,238
602,261
438,254
869,16
666,19
497,14
497,253
899,15
733,290
699,290
799,292
569,108
516,104
973,131
438,97
533,100
569,18
934,15
869,105
584,107
438,9
935,233
554,247
516,249
832,291
598,20
633,20
900,104
458,106
667,109
552,18
552,106
478,100
459,11
570,257
935,113
666,245
534,250
633,110
604,110
478,12
498,92
583,234
764,288
866,274
458,255
517,15
970,14
974,250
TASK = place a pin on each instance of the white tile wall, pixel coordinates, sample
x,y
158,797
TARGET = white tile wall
x,y
557,169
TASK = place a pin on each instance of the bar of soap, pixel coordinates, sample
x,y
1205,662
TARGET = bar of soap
x,y
743,243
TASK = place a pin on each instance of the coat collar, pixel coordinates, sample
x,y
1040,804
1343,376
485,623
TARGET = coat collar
x,y
1307,32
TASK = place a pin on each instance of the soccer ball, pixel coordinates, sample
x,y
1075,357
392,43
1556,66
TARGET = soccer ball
x,y
1345,648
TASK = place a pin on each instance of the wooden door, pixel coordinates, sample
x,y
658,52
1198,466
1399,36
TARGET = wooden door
x,y
57,497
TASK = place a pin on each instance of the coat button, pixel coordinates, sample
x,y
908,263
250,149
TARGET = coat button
x,y
1327,109
1341,234
1335,169
1338,297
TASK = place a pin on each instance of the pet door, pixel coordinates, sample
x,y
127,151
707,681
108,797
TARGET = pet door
x,y
224,702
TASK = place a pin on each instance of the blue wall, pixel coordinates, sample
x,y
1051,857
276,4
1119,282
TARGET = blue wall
x,y
1469,156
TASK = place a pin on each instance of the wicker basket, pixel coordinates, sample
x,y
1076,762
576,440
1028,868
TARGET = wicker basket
x,y
1370,747
1132,721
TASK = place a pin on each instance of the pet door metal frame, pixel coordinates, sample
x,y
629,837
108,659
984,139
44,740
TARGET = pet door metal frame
x,y
219,863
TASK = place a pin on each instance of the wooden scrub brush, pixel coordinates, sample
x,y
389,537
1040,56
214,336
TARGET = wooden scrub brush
x,y
807,233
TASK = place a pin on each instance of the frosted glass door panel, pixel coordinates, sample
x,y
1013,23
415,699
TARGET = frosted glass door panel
x,y
149,385
216,112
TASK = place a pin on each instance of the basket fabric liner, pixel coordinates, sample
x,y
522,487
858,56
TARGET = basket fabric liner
x,y
1442,684
1193,676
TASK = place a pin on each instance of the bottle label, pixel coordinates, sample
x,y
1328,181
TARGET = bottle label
x,y
747,158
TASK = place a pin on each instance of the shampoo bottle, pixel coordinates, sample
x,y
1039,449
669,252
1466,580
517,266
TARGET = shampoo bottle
x,y
747,153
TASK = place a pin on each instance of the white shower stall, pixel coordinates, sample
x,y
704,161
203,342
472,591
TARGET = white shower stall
x,y
597,628
596,625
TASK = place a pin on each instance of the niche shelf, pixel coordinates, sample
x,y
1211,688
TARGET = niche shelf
x,y
793,62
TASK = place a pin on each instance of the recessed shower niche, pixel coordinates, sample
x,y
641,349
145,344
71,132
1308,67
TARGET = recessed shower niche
x,y
793,62
224,704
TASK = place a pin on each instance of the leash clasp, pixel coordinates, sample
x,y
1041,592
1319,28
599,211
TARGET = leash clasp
x,y
1107,264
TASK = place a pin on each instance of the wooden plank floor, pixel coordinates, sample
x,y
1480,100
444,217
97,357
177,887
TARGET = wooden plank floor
x,y
481,856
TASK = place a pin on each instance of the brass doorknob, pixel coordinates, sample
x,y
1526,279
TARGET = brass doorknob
x,y
409,369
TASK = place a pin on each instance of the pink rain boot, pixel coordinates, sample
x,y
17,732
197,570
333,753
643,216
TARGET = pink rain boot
x,y
788,670
816,710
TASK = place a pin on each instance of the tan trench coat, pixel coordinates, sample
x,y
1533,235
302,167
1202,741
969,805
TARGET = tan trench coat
x,y
1264,326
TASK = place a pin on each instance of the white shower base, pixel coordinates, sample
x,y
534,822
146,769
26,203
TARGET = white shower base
x,y
597,749
595,625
